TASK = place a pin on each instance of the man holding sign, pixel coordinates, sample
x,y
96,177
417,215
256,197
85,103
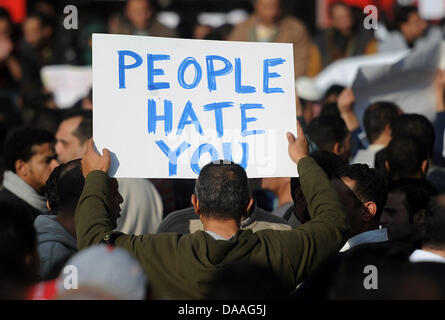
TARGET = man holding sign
x,y
181,267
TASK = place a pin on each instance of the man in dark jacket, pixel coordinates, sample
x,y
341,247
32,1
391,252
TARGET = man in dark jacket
x,y
182,266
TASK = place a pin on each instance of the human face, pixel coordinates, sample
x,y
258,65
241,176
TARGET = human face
x,y
33,31
36,170
275,184
268,11
115,200
139,13
395,212
68,146
414,28
341,19
351,203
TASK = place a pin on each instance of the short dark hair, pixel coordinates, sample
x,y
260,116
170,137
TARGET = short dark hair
x,y
418,193
435,223
405,155
370,185
64,187
377,116
20,142
222,190
326,131
330,109
401,15
416,125
85,129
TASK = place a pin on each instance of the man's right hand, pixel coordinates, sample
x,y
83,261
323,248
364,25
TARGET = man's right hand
x,y
92,160
298,147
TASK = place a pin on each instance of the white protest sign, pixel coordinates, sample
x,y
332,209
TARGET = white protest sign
x,y
68,83
166,107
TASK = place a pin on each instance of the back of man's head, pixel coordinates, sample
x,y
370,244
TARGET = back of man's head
x,y
377,116
85,129
370,185
418,193
402,14
434,236
19,144
18,250
418,126
222,190
327,131
407,157
64,187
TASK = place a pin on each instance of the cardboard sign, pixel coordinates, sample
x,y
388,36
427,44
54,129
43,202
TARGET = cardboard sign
x,y
166,107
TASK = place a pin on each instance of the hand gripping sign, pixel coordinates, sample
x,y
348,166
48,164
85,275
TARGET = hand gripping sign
x,y
165,107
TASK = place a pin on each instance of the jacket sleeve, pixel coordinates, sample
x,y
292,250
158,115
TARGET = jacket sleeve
x,y
314,242
92,221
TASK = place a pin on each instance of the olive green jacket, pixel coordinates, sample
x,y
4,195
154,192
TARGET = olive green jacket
x,y
181,266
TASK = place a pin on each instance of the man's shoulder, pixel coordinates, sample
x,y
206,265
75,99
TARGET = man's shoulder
x,y
9,197
178,221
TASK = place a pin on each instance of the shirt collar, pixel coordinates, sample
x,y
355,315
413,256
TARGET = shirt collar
x,y
373,236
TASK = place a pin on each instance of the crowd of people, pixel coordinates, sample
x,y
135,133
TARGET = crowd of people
x,y
369,193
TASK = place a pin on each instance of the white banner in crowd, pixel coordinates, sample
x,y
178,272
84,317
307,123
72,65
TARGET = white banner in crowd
x,y
166,107
404,77
68,83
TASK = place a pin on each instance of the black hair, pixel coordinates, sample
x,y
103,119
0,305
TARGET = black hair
x,y
418,126
328,161
19,144
330,109
401,15
4,14
434,235
222,191
380,163
64,187
335,89
48,119
85,129
370,185
326,131
418,193
377,116
405,155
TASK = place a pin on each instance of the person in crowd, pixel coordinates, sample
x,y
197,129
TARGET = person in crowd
x,y
380,271
363,192
410,31
35,52
182,266
142,208
19,261
344,38
299,214
140,19
105,273
56,234
268,24
407,157
10,68
280,187
330,133
433,240
29,159
377,120
404,212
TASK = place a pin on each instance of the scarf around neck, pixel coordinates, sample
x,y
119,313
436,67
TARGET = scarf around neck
x,y
24,191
